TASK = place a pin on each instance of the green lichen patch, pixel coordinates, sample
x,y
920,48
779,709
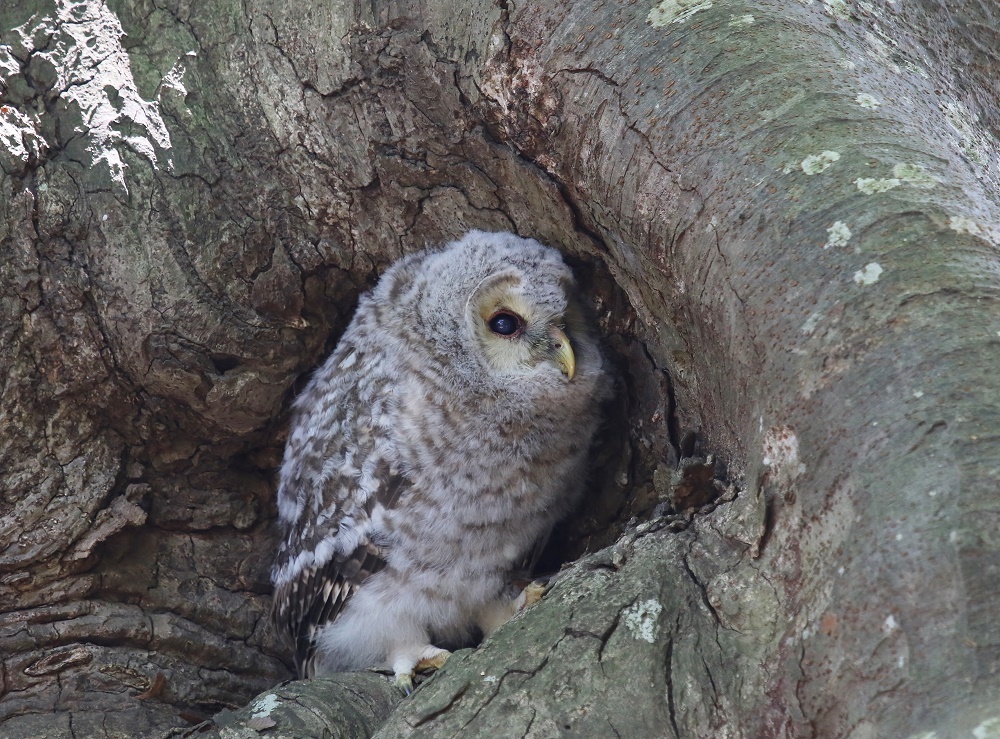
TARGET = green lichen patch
x,y
816,163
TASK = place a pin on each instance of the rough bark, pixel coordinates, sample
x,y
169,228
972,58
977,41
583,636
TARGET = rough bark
x,y
788,219
343,706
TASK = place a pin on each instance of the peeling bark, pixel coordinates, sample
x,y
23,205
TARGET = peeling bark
x,y
787,217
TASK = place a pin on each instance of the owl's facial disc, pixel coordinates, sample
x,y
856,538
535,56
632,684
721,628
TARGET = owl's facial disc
x,y
509,325
516,335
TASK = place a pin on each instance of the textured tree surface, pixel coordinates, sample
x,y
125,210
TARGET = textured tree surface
x,y
788,218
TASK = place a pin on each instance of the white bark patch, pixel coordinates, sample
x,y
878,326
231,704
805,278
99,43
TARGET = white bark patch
x,y
174,78
741,21
18,134
816,163
872,185
869,275
9,66
964,225
914,175
836,9
867,101
988,729
667,12
837,235
889,625
641,619
83,43
881,51
263,706
811,322
781,450
504,90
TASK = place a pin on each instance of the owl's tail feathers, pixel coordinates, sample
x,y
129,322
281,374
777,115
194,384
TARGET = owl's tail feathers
x,y
407,661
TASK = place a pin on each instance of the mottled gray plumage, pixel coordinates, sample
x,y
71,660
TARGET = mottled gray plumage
x,y
431,452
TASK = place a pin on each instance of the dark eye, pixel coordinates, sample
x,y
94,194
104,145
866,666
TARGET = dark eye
x,y
505,323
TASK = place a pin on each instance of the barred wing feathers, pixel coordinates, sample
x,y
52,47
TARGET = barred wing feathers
x,y
339,469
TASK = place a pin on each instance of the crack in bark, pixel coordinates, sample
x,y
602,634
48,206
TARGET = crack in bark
x,y
530,722
703,591
708,674
576,213
606,636
728,276
587,70
444,709
800,684
499,684
673,425
671,706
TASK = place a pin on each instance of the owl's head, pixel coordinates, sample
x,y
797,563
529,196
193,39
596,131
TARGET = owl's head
x,y
518,320
499,309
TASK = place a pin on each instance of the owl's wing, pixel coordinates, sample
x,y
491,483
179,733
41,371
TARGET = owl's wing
x,y
315,597
312,595
338,469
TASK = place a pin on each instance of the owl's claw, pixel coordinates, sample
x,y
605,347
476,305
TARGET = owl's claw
x,y
405,683
531,594
434,660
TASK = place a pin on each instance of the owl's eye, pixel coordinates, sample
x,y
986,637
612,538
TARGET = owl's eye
x,y
505,323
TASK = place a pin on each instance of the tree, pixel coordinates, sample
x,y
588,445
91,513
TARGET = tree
x,y
788,219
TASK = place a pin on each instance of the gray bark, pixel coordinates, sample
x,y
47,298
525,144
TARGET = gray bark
x,y
787,216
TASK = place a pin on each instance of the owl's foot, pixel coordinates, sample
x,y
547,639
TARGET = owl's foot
x,y
432,663
498,612
531,594
429,658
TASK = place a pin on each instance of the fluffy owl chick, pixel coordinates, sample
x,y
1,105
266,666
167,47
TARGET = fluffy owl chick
x,y
431,452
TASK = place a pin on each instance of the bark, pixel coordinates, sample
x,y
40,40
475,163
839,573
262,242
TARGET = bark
x,y
786,214
343,706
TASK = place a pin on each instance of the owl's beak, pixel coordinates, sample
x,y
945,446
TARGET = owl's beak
x,y
563,351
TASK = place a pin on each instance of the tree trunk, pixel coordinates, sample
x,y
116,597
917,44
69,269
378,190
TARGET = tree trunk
x,y
788,218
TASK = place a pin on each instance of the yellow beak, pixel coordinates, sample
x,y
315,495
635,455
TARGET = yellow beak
x,y
563,351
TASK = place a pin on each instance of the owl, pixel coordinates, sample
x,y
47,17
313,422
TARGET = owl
x,y
432,453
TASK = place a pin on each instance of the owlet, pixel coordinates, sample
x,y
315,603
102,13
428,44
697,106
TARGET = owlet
x,y
431,453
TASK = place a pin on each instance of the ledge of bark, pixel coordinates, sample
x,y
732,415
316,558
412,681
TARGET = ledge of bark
x,y
343,706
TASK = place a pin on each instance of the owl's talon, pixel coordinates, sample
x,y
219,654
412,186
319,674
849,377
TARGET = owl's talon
x,y
433,659
432,663
405,683
531,594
